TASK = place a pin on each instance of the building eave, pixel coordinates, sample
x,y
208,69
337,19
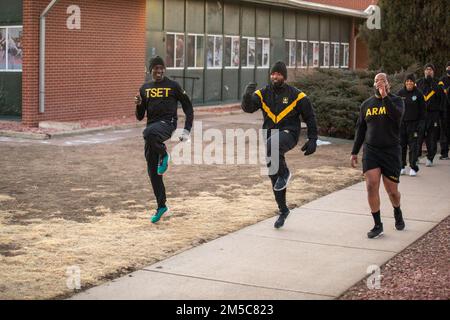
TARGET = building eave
x,y
316,7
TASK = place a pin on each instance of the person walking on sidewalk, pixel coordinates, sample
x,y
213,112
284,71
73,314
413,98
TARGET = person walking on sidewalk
x,y
435,103
444,82
159,99
413,122
282,106
378,128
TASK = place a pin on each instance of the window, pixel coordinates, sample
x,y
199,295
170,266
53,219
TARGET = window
x,y
11,49
335,55
302,54
175,50
291,54
248,52
325,54
194,51
232,45
214,52
262,52
345,55
313,54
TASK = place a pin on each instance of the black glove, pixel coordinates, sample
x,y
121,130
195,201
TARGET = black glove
x,y
309,147
250,88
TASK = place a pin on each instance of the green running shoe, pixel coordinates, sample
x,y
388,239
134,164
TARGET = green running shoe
x,y
163,164
158,214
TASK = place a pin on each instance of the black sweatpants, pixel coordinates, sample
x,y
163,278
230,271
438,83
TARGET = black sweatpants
x,y
430,135
409,132
155,134
445,133
287,141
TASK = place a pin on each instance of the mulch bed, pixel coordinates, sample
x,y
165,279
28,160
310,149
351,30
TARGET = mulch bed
x,y
420,272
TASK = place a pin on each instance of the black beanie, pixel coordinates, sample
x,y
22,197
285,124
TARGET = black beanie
x,y
429,65
448,64
156,61
279,67
411,77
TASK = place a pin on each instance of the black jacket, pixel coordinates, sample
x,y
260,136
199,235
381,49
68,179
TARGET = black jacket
x,y
444,82
282,108
414,104
433,94
378,123
160,102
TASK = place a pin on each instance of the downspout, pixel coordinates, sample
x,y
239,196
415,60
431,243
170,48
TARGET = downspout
x,y
354,50
42,56
355,37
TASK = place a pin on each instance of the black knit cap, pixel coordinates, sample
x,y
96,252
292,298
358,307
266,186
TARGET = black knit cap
x,y
410,76
156,61
429,65
279,67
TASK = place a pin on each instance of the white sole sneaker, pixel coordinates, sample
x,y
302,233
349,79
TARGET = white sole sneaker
x,y
402,172
287,182
378,235
412,173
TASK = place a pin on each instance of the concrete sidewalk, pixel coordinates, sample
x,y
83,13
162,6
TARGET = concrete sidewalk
x,y
320,252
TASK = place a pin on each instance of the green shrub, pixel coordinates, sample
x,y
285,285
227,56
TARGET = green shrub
x,y
337,95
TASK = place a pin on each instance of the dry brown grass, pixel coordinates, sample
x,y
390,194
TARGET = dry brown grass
x,y
35,255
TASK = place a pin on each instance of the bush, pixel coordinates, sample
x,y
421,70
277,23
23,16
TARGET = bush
x,y
337,95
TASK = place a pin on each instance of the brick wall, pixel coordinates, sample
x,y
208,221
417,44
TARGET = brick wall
x,y
90,73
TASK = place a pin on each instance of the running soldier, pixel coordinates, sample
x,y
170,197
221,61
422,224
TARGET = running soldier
x,y
413,122
378,128
159,99
444,82
435,102
282,106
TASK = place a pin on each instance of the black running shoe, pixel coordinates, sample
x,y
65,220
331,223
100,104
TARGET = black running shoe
x,y
281,218
375,232
399,222
282,182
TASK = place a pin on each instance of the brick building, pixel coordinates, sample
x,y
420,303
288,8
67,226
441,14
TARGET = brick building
x,y
95,53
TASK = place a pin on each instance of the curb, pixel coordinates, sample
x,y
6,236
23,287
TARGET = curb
x,y
24,135
46,136
212,110
94,130
226,109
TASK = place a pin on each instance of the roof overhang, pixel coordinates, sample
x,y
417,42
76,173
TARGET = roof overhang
x,y
316,7
307,5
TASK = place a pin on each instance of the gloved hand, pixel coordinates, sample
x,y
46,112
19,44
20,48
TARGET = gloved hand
x,y
310,147
184,136
250,88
